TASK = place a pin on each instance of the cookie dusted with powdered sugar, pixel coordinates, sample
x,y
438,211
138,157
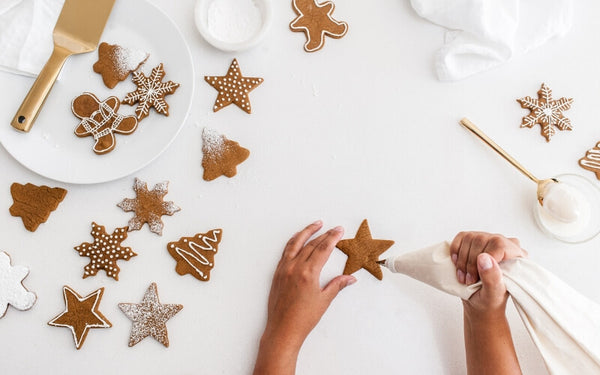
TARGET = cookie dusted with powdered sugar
x,y
115,62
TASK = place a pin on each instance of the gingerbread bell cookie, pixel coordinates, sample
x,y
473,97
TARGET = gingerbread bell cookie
x,y
105,251
195,255
591,160
115,63
547,112
233,88
316,21
12,291
148,206
220,155
363,251
149,317
34,203
81,314
100,119
150,92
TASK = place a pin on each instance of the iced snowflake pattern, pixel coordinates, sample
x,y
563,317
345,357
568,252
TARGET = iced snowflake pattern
x,y
547,112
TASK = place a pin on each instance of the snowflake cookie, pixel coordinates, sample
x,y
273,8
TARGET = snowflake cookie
x,y
233,88
196,255
150,92
316,21
149,317
547,112
105,251
81,314
148,206
12,291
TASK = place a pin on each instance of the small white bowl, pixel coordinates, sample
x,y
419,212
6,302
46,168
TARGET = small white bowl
x,y
201,15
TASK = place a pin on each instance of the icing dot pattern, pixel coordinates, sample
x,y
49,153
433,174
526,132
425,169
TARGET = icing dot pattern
x,y
233,88
105,251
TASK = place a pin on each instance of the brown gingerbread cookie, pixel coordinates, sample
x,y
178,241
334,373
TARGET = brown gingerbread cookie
x,y
316,21
591,160
547,112
148,206
363,251
195,255
105,251
101,120
150,92
115,63
220,155
233,88
34,203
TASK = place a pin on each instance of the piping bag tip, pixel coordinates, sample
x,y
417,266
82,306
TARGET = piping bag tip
x,y
381,262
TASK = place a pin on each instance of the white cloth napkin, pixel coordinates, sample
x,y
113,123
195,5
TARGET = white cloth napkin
x,y
563,324
487,33
26,34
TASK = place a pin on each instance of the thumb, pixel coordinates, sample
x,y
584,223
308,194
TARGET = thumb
x,y
491,277
332,289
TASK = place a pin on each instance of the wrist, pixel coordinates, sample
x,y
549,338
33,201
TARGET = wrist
x,y
277,354
487,316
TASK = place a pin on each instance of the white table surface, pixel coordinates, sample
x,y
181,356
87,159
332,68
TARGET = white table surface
x,y
361,129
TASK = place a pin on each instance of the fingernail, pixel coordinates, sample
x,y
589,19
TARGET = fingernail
x,y
318,222
338,229
454,258
351,281
469,279
460,275
485,262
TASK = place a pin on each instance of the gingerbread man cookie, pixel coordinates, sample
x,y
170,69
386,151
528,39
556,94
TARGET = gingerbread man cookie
x,y
12,291
101,120
316,21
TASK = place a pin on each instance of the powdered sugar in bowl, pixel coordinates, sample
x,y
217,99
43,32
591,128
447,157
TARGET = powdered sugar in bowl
x,y
233,25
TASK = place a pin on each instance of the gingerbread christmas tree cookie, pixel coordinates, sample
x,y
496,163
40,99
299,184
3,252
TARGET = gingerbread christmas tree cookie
x,y
150,92
220,156
149,317
105,251
115,63
12,291
233,88
148,206
34,203
363,251
195,255
81,314
547,112
591,160
316,21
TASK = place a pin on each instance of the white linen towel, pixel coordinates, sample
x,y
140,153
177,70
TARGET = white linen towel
x,y
487,33
26,34
563,324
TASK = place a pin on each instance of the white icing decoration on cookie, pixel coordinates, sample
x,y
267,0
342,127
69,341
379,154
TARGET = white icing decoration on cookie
x,y
12,291
195,254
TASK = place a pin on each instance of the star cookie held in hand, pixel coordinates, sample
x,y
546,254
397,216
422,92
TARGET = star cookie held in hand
x,y
150,92
363,251
233,88
12,291
148,206
316,21
547,112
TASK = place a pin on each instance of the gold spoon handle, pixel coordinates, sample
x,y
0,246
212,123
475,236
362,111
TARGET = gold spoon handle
x,y
475,130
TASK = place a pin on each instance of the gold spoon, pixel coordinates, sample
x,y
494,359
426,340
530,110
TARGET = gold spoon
x,y
541,184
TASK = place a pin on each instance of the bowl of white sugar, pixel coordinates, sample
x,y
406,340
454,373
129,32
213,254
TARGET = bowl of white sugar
x,y
233,25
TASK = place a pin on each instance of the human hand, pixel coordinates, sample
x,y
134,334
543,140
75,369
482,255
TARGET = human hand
x,y
296,301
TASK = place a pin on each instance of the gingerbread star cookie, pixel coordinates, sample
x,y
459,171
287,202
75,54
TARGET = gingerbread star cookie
x,y
34,203
220,156
150,92
316,21
148,206
12,291
547,112
105,251
363,251
81,314
591,160
149,317
195,255
233,88
101,120
115,63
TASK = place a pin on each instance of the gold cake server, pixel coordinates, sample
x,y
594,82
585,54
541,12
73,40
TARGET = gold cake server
x,y
78,30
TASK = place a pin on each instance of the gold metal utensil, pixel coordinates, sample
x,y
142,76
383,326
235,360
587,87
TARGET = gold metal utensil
x,y
78,30
541,184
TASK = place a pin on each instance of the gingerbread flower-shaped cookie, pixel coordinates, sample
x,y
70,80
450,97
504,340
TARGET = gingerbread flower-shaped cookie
x,y
101,120
316,21
150,92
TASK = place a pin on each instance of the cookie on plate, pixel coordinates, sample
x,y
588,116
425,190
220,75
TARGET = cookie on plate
x,y
115,63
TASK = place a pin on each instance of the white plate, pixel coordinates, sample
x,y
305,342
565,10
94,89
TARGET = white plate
x,y
51,149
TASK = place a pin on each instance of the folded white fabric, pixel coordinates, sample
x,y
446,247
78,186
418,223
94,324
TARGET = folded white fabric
x,y
563,324
26,34
486,33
